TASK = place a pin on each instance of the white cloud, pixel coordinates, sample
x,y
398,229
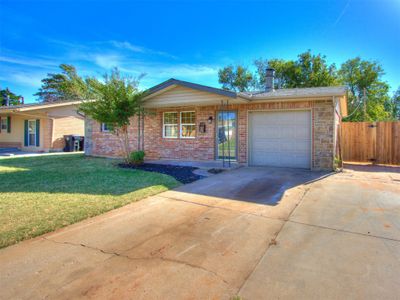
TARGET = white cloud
x,y
93,59
187,70
344,10
171,70
31,62
128,46
139,49
196,73
107,61
27,78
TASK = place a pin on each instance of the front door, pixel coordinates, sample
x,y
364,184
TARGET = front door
x,y
32,133
226,135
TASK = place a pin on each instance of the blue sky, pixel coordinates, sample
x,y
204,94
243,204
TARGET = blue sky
x,y
188,40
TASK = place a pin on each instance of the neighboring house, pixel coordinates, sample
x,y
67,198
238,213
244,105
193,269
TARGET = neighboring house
x,y
39,127
285,128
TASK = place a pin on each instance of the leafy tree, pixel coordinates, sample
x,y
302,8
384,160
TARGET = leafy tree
x,y
14,99
368,98
283,71
114,102
309,70
394,106
237,78
67,85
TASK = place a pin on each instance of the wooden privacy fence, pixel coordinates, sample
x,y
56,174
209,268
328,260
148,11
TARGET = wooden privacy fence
x,y
376,142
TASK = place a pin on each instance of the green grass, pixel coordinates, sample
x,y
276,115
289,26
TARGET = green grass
x,y
41,194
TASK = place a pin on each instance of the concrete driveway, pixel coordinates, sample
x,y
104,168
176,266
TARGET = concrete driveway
x,y
259,233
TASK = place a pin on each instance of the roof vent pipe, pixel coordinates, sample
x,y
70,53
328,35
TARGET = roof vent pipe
x,y
269,80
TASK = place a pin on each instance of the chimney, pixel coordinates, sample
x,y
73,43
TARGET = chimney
x,y
269,79
8,100
21,100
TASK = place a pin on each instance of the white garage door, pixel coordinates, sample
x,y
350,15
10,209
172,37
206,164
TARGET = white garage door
x,y
281,139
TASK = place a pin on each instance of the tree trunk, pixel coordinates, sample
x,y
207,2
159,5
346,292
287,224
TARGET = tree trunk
x,y
124,138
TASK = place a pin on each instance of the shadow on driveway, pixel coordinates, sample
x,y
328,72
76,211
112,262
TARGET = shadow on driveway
x,y
262,185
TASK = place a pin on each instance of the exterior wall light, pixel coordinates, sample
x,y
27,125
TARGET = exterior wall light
x,y
210,120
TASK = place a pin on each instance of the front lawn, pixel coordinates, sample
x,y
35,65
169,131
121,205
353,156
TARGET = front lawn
x,y
41,194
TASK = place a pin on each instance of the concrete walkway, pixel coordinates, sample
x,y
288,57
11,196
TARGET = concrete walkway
x,y
18,153
255,232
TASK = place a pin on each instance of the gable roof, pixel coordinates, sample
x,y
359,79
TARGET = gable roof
x,y
35,106
328,91
251,95
175,82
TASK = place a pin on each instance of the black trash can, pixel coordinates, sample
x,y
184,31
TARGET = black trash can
x,y
78,142
69,143
73,143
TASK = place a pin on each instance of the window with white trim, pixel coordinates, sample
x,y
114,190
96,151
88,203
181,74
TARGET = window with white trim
x,y
188,124
170,125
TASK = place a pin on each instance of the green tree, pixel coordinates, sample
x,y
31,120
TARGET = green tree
x,y
368,98
283,69
14,98
237,78
114,102
66,85
309,70
394,106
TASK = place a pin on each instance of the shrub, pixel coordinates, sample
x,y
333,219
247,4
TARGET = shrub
x,y
337,163
137,157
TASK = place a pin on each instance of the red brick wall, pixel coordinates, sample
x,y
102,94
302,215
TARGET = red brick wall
x,y
203,146
199,148
157,147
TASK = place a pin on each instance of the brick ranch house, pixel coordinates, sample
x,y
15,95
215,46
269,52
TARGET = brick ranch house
x,y
39,127
284,127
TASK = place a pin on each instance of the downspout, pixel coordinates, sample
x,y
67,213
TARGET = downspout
x,y
338,130
53,125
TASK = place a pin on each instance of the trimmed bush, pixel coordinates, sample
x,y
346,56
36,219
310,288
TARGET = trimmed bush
x,y
137,157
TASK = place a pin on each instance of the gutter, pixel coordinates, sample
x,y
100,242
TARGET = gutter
x,y
277,98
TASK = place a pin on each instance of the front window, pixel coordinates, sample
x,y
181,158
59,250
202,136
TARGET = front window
x,y
188,124
4,124
106,127
170,125
32,133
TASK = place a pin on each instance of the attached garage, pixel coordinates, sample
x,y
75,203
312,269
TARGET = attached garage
x,y
280,138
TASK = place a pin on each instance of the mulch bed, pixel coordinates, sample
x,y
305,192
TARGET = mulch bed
x,y
180,173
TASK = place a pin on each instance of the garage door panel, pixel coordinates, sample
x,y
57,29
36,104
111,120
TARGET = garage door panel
x,y
303,148
267,160
289,146
268,133
280,138
301,134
